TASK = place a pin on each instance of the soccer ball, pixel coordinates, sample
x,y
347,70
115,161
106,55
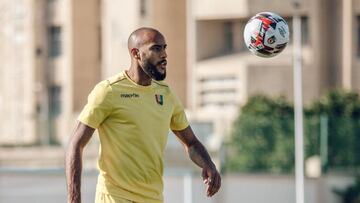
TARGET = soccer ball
x,y
266,34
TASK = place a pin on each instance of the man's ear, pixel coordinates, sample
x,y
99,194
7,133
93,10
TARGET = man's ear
x,y
135,53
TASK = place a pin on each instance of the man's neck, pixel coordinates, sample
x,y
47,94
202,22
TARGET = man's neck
x,y
137,75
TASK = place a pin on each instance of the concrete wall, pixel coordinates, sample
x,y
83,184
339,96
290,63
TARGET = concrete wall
x,y
86,41
213,9
356,65
116,27
169,17
210,39
17,73
284,8
49,186
230,9
255,189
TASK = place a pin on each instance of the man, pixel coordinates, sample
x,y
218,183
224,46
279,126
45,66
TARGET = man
x,y
133,112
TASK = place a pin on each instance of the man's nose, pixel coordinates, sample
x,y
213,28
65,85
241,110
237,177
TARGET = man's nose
x,y
163,54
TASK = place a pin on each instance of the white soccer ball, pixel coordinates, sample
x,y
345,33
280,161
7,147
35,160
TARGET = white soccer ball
x,y
266,34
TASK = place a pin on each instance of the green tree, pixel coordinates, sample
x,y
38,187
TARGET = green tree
x,y
262,137
343,111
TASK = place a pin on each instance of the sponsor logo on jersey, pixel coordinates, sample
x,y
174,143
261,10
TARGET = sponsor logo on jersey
x,y
129,95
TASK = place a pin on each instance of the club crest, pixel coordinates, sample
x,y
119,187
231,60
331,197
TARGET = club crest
x,y
159,99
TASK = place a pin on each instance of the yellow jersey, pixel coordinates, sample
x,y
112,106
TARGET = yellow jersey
x,y
133,122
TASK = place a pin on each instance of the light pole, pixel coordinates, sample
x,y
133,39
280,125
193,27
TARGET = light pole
x,y
298,105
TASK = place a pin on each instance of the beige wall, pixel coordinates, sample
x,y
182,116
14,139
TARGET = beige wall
x,y
230,9
278,81
326,61
40,55
116,27
214,9
284,8
270,80
17,73
210,39
170,18
85,49
356,63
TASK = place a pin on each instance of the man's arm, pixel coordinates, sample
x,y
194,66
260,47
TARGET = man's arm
x,y
79,139
200,157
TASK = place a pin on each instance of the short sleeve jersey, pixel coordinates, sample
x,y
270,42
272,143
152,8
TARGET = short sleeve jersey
x,y
133,122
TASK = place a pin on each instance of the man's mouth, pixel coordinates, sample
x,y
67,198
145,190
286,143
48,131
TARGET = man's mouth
x,y
163,63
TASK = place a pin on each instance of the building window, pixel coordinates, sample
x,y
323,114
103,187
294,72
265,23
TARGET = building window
x,y
228,36
54,37
54,101
305,30
218,91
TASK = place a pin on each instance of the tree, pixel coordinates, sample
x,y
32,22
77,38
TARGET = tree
x,y
262,137
342,109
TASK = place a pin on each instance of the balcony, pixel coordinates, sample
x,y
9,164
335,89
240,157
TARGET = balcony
x,y
230,9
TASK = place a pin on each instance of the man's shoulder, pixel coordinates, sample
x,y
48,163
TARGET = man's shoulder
x,y
107,84
116,78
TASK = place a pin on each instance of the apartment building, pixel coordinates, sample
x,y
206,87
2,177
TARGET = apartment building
x,y
16,99
50,60
224,73
52,52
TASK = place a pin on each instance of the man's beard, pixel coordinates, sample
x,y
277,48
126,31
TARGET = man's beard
x,y
150,70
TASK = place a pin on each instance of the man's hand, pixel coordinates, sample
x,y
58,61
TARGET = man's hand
x,y
212,179
199,155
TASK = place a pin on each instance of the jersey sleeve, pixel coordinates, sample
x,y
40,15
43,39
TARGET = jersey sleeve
x,y
178,118
99,105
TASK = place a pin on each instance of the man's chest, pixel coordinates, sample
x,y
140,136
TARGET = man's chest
x,y
140,107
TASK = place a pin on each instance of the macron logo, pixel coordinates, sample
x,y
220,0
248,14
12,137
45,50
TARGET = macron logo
x,y
131,95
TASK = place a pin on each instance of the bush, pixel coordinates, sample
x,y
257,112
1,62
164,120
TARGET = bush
x,y
262,138
342,109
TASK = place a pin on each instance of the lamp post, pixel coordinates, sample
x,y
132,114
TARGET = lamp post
x,y
298,105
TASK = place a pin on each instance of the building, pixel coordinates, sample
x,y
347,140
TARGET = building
x,y
57,50
224,73
17,73
53,52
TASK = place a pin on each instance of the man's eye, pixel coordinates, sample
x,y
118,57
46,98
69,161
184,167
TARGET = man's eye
x,y
157,48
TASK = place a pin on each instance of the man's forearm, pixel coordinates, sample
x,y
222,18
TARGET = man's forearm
x,y
199,155
73,174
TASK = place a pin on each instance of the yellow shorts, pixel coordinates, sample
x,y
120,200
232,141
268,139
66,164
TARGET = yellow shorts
x,y
106,198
